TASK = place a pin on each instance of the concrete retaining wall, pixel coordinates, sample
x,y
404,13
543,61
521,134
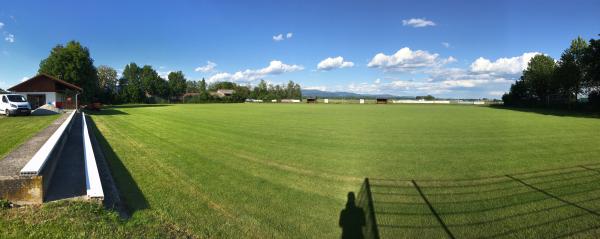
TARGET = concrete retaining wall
x,y
30,189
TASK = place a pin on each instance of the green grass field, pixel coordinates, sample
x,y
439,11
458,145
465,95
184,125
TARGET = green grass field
x,y
283,171
16,130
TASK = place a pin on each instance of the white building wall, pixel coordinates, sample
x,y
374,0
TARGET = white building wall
x,y
50,96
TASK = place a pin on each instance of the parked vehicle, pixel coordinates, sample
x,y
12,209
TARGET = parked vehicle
x,y
14,104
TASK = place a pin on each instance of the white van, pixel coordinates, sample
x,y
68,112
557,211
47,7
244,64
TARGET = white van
x,y
13,104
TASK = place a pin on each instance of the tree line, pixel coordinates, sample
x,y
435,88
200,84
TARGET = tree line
x,y
199,91
142,84
559,84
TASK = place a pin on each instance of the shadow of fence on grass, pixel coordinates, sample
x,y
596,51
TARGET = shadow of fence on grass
x,y
129,192
139,106
554,112
547,203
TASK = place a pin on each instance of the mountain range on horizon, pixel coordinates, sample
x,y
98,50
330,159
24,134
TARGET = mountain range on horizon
x,y
344,94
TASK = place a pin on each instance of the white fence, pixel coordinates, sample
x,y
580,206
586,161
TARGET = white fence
x,y
40,158
92,177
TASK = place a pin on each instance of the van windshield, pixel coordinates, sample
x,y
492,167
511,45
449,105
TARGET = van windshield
x,y
16,98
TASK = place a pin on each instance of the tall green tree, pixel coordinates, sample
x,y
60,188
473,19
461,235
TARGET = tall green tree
x,y
107,83
261,90
539,77
73,63
569,75
152,83
177,83
132,90
202,86
192,87
591,65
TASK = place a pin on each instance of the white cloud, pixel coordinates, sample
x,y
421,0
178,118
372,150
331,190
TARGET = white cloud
x,y
278,37
209,67
334,63
512,65
483,78
25,78
164,74
418,22
9,38
496,93
275,68
1,25
364,88
407,60
446,44
321,88
281,36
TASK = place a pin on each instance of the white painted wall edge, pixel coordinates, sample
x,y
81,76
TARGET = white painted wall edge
x,y
92,177
39,159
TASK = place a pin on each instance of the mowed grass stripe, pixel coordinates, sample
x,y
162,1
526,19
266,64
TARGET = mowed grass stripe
x,y
149,134
284,170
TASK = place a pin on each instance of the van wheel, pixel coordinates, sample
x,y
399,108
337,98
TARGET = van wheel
x,y
7,113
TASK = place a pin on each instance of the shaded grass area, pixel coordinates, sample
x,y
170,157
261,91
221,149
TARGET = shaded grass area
x,y
554,203
65,219
16,130
276,170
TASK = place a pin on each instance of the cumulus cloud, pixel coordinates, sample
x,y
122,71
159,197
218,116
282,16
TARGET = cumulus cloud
x,y
209,67
446,44
281,36
512,65
278,37
275,68
9,37
406,59
483,78
1,25
334,63
418,22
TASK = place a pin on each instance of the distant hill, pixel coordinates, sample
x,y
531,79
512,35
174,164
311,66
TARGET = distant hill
x,y
342,94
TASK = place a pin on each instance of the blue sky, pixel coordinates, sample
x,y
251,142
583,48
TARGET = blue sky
x,y
444,48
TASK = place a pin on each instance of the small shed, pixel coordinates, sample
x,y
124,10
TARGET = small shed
x,y
311,100
45,89
382,100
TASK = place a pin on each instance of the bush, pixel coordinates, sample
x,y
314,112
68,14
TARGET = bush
x,y
4,204
594,99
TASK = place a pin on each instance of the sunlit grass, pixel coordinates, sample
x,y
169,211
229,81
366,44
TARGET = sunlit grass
x,y
16,130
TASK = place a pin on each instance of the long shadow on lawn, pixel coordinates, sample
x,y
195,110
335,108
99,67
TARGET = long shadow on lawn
x,y
553,112
398,203
106,111
129,192
140,106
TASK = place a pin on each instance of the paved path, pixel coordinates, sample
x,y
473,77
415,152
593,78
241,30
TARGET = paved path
x,y
12,164
68,180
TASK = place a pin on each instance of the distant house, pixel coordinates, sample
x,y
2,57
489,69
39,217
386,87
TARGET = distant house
x,y
223,93
45,89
